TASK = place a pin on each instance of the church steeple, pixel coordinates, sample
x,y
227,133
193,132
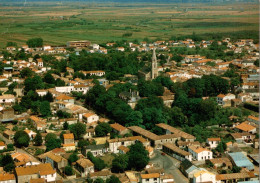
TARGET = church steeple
x,y
154,69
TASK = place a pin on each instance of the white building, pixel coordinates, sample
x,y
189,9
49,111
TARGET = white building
x,y
7,98
225,100
7,178
150,178
200,153
85,166
213,142
204,176
90,117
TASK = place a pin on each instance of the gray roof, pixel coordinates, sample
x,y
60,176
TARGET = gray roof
x,y
189,170
96,147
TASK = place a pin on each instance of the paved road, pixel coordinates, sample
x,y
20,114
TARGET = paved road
x,y
170,165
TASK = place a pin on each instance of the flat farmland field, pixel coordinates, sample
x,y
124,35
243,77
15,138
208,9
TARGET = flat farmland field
x,y
58,23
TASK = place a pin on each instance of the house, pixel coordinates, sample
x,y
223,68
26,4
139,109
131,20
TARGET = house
x,y
237,177
239,159
150,178
176,152
2,145
23,174
7,115
38,123
156,140
42,92
94,73
65,98
85,166
114,144
9,134
253,119
120,49
119,129
213,142
78,44
104,174
221,162
171,130
187,168
68,144
96,150
7,98
56,160
22,159
225,100
245,127
90,132
30,133
90,117
204,176
7,178
199,153
242,137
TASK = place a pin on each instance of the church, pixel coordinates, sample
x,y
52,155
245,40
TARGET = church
x,y
149,73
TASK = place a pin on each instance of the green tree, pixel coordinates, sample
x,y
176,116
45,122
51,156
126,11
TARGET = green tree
x,y
11,44
99,164
38,139
113,179
236,169
78,129
7,162
138,156
222,146
45,108
35,42
120,163
98,180
83,143
73,158
52,144
102,129
65,125
68,170
21,139
50,136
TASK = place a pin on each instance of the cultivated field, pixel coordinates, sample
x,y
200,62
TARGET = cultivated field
x,y
58,23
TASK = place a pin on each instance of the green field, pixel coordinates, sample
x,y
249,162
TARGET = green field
x,y
58,23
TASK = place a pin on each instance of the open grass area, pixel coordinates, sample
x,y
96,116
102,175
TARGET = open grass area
x,y
108,158
98,22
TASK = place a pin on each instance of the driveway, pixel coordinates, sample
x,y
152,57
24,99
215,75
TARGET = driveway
x,y
170,165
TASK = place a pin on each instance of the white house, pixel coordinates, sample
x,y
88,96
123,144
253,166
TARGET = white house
x,y
204,176
200,153
64,89
120,49
45,171
30,133
7,98
2,146
41,92
213,142
7,178
150,178
90,117
46,47
225,100
85,166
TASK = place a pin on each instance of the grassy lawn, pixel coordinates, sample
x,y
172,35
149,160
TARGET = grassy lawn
x,y
108,158
58,23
